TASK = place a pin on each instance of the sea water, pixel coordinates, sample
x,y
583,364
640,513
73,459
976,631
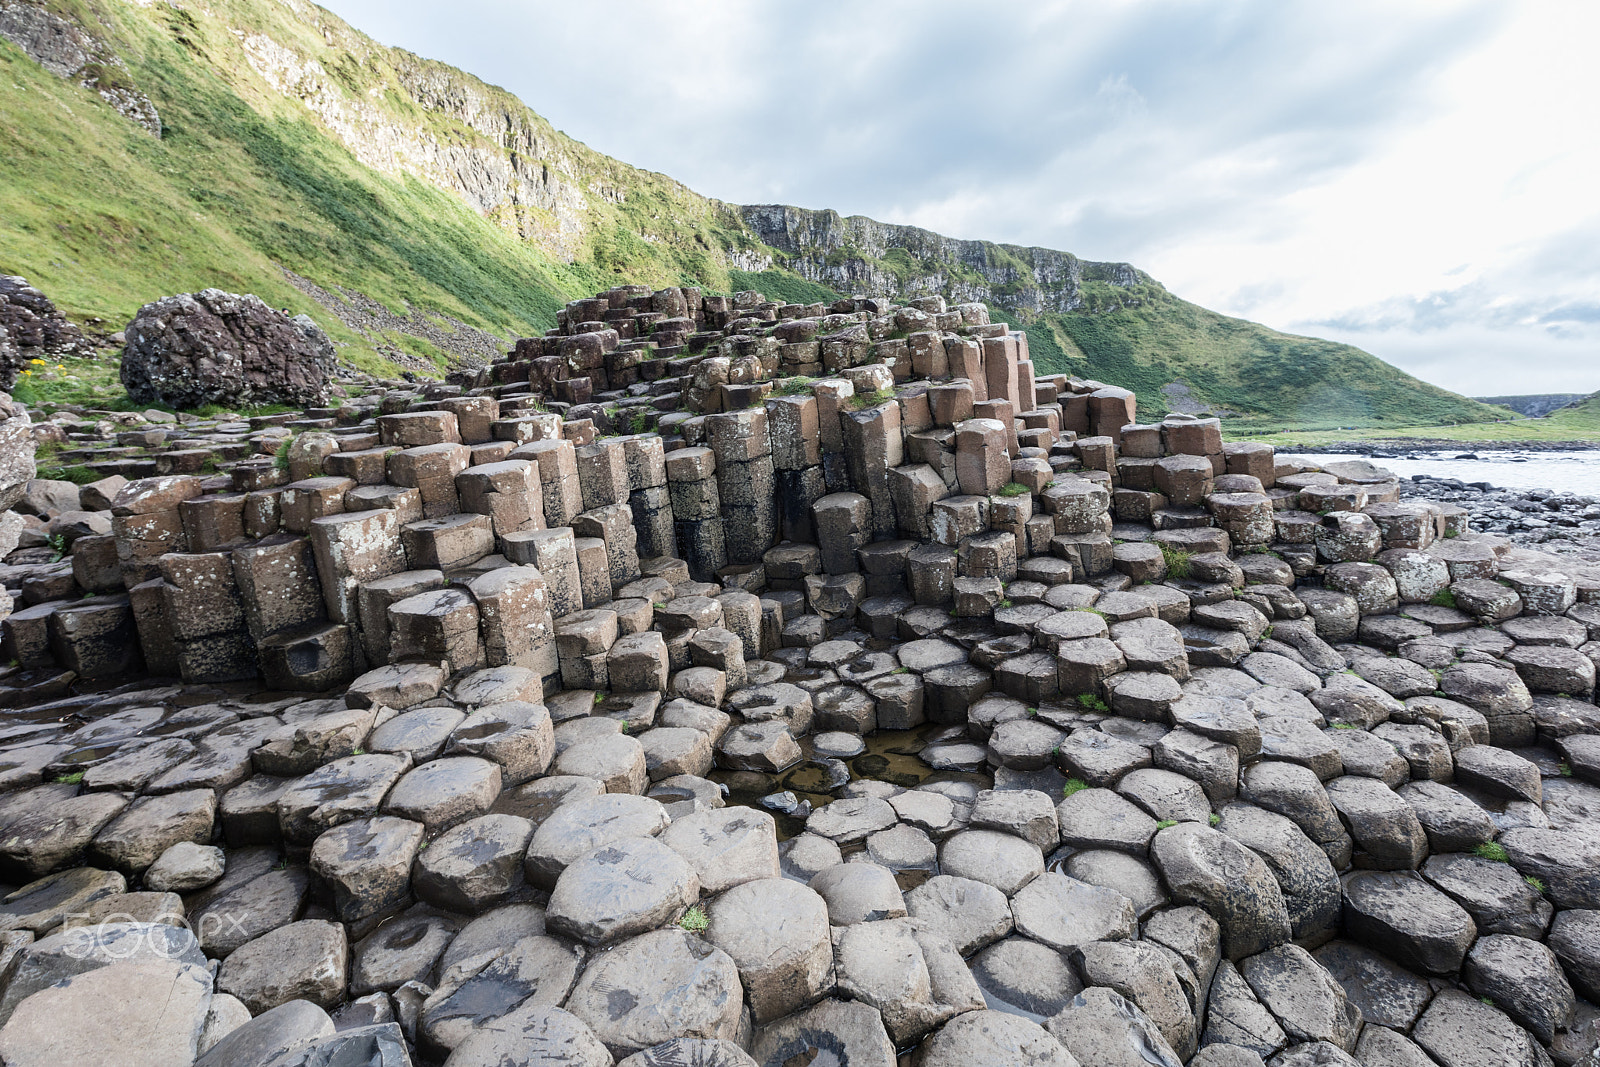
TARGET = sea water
x,y
1563,472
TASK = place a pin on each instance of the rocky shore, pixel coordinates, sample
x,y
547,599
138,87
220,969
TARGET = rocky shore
x,y
722,682
1566,523
1404,447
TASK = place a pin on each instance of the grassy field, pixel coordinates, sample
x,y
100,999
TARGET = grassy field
x,y
1580,422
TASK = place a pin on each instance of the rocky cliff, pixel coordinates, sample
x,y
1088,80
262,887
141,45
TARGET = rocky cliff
x,y
859,254
73,51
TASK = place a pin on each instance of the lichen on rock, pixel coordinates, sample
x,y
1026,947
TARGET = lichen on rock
x,y
214,347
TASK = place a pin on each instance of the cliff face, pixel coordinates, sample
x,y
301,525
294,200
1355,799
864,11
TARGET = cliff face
x,y
502,159
75,52
858,254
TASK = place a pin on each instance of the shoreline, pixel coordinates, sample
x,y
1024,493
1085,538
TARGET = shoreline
x,y
1398,448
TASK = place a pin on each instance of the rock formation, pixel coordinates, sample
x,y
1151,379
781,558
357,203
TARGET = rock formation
x,y
71,50
214,347
714,681
16,451
851,255
32,328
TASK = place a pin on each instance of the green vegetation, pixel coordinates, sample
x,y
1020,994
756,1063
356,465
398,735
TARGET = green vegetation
x,y
1074,785
779,284
1216,820
1492,850
799,386
1013,489
1164,823
75,473
1092,702
862,401
1261,378
75,778
694,920
1444,598
1537,883
245,182
1178,560
1581,422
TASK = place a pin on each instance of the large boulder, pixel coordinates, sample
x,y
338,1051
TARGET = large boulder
x,y
214,347
16,451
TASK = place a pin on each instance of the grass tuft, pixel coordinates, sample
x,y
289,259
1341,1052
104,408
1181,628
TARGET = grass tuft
x,y
1178,560
1074,785
799,386
862,401
1491,850
694,920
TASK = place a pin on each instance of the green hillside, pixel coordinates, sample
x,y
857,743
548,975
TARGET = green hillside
x,y
104,217
1257,376
1580,422
299,158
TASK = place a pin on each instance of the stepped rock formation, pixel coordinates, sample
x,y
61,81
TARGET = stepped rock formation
x,y
214,347
718,680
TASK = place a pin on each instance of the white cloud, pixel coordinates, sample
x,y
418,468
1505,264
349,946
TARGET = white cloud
x,y
1415,177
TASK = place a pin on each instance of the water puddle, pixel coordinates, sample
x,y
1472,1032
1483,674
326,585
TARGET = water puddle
x,y
892,756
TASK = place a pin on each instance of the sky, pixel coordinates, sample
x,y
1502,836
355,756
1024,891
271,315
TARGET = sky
x,y
1416,178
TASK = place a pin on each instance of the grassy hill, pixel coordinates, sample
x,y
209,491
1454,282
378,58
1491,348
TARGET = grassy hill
x,y
1580,422
104,217
304,162
1257,376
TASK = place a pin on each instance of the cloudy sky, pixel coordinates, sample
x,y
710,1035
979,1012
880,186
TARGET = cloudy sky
x,y
1417,178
